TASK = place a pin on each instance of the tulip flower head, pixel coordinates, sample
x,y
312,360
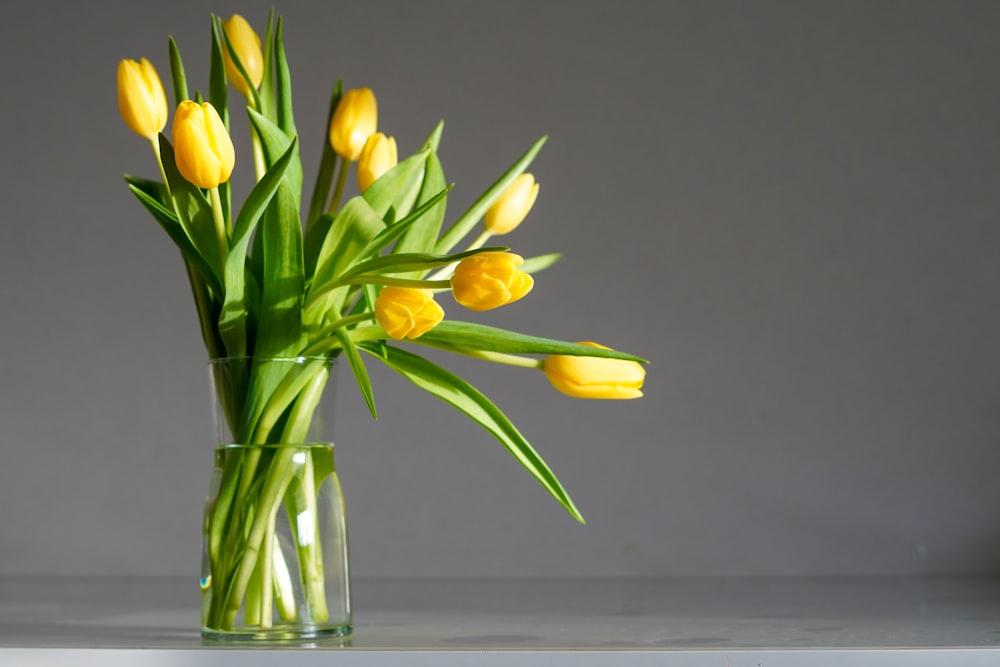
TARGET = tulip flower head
x,y
354,120
594,377
513,206
202,147
141,100
377,157
405,312
246,45
489,280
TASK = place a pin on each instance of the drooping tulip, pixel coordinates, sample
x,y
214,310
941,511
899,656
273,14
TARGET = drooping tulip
x,y
513,206
594,377
246,44
489,280
141,100
354,120
202,146
377,157
406,312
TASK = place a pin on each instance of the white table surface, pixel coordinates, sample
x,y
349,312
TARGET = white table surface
x,y
719,622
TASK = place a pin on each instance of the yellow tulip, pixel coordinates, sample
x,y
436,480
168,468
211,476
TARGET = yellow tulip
x,y
141,100
594,377
513,206
489,280
354,120
202,147
246,45
405,312
377,157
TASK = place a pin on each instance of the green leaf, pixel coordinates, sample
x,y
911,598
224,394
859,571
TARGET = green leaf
x,y
217,92
233,319
321,190
468,220
470,336
393,194
193,210
177,73
390,234
422,236
355,226
463,396
266,91
286,120
540,262
274,143
143,191
434,139
412,261
279,318
358,367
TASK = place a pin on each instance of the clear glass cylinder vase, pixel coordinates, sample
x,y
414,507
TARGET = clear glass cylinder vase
x,y
275,549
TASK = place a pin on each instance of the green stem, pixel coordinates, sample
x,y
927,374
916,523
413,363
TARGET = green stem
x,y
338,190
221,231
495,357
445,271
438,285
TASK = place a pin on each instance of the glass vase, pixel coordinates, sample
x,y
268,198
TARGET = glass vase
x,y
275,551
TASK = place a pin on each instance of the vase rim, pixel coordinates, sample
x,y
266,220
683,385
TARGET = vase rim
x,y
280,359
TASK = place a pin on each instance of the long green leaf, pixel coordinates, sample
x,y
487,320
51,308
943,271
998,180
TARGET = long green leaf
x,y
393,194
358,368
422,236
233,319
355,226
321,189
168,221
466,398
390,234
471,336
279,318
217,91
283,90
468,220
177,75
193,209
411,261
266,91
540,262
275,142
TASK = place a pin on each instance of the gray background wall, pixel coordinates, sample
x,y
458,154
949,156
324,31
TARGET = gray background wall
x,y
790,207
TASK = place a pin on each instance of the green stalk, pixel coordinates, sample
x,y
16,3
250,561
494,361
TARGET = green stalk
x,y
304,501
338,190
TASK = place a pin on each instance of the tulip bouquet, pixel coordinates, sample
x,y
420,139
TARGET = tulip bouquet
x,y
281,277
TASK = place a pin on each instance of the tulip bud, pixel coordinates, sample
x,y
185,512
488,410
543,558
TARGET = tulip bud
x,y
141,100
202,147
377,157
594,377
489,280
246,45
513,206
354,120
405,312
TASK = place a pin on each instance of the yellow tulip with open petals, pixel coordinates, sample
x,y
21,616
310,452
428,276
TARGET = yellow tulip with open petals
x,y
377,157
202,146
513,206
246,45
407,312
594,377
141,100
489,280
354,120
